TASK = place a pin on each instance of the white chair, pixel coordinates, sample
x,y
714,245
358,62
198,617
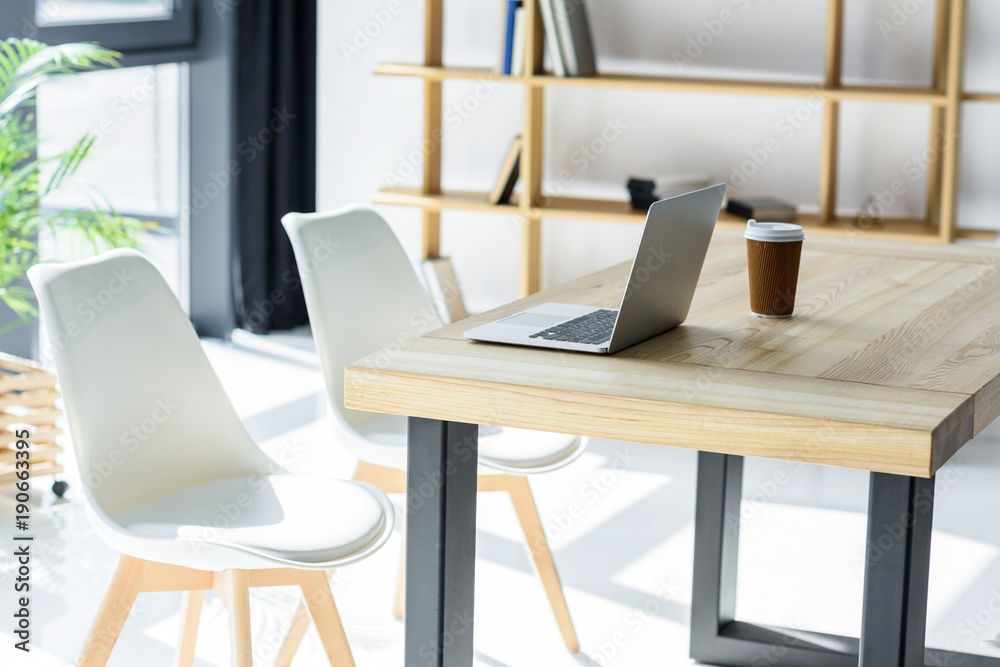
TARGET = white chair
x,y
364,296
171,479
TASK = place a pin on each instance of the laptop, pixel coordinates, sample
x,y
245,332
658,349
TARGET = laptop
x,y
657,297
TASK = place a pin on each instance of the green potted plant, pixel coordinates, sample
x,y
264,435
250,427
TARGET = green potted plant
x,y
26,178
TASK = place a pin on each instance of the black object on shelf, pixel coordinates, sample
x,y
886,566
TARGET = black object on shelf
x,y
644,191
762,208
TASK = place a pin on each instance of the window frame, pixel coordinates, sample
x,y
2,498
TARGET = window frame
x,y
200,34
175,31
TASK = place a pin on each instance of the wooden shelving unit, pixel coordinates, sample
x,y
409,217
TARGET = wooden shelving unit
x,y
28,399
945,98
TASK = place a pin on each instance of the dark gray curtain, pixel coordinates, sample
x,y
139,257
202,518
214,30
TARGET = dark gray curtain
x,y
274,161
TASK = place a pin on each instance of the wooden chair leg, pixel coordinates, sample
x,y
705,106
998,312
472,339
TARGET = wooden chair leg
x,y
293,638
399,603
319,598
233,588
190,616
124,587
534,533
125,584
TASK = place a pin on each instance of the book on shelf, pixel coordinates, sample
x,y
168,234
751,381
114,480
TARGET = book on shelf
x,y
507,42
509,172
765,209
644,191
552,36
517,59
573,32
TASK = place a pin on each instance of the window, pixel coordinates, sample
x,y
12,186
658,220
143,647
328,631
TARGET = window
x,y
136,118
161,117
54,12
123,25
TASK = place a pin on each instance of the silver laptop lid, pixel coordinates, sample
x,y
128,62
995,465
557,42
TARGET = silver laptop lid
x,y
667,265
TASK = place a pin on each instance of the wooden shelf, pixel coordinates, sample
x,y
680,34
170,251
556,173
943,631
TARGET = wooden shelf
x,y
981,97
608,210
457,200
677,84
741,87
944,96
440,73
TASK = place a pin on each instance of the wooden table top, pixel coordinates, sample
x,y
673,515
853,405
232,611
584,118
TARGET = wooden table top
x,y
891,363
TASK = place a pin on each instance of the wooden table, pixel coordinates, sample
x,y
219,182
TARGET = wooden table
x,y
890,364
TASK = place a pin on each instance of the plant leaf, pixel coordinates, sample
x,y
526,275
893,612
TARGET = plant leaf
x,y
36,62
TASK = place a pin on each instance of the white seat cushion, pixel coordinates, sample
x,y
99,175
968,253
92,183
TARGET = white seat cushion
x,y
292,517
519,448
508,447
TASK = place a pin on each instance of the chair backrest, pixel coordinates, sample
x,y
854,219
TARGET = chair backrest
x,y
362,293
146,411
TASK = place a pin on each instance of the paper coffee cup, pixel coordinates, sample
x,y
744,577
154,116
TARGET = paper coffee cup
x,y
773,253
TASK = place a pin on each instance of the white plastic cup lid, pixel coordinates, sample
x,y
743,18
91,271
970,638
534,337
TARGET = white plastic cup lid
x,y
773,231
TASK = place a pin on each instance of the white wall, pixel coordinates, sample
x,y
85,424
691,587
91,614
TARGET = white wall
x,y
370,126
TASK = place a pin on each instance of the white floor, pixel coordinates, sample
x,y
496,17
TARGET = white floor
x,y
625,561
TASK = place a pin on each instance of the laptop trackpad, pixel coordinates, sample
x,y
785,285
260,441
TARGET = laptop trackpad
x,y
535,320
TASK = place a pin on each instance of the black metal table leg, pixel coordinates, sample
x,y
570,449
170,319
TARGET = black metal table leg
x,y
716,548
442,460
717,638
897,562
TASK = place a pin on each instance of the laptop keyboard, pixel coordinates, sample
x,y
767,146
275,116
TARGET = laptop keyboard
x,y
591,329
